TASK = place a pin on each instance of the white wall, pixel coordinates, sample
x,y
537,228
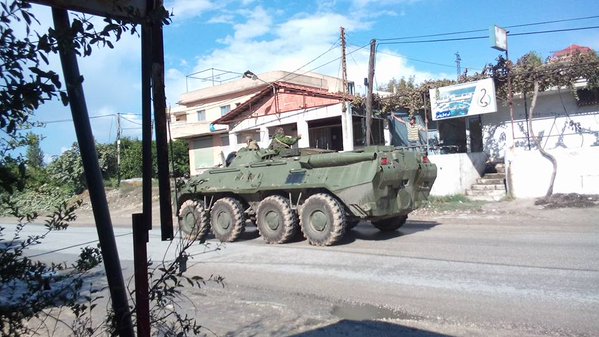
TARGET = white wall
x,y
300,118
456,172
577,171
554,119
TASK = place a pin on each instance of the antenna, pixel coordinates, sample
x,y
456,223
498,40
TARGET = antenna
x,y
458,63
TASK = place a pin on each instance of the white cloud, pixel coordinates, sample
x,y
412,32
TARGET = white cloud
x,y
372,3
294,43
185,9
225,18
258,24
175,85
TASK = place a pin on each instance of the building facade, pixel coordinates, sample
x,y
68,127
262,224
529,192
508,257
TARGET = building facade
x,y
216,120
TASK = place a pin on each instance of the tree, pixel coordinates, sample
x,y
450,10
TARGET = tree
x,y
132,162
35,155
67,170
24,86
180,155
538,142
25,80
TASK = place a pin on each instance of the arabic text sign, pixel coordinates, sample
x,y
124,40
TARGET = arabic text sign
x,y
465,99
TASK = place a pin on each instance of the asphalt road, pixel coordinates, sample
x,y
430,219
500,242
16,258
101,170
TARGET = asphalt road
x,y
528,272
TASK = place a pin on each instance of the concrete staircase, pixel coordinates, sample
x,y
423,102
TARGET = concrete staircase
x,y
491,187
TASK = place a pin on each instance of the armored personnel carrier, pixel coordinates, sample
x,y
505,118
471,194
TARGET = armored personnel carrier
x,y
321,194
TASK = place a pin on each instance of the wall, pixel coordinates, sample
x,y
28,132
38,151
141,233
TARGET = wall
x,y
300,117
206,152
577,171
456,172
555,122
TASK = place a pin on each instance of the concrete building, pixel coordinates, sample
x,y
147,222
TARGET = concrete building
x,y
216,120
566,123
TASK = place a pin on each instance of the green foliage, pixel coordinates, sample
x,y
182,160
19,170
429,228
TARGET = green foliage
x,y
35,156
26,82
450,203
132,162
131,159
407,95
67,170
107,159
25,290
180,155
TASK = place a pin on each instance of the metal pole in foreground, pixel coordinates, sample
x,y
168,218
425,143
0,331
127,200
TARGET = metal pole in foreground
x,y
93,175
159,100
146,121
140,261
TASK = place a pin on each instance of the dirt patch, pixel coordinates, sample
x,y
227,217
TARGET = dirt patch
x,y
570,200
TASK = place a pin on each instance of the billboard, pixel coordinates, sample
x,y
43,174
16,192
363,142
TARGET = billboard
x,y
465,99
498,38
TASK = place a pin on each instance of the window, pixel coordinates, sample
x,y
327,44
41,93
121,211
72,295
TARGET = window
x,y
201,115
225,109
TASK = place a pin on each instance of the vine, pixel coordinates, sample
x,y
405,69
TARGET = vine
x,y
411,97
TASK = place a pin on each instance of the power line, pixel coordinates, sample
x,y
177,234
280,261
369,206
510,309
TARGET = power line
x,y
91,117
423,61
554,31
487,36
335,44
129,120
485,30
335,59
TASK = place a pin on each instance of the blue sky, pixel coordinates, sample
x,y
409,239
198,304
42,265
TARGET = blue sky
x,y
263,35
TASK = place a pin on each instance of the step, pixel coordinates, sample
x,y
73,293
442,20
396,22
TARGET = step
x,y
470,192
488,187
494,176
489,181
486,197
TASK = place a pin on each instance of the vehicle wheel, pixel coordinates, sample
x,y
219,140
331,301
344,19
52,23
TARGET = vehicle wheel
x,y
322,220
276,221
193,219
227,219
391,224
351,224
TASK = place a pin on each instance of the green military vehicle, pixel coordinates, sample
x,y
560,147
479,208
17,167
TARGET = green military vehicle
x,y
323,194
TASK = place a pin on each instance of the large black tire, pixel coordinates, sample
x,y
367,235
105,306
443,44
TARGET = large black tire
x,y
351,224
391,224
227,219
276,221
193,219
322,220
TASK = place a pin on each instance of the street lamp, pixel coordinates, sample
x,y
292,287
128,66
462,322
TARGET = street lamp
x,y
249,74
498,38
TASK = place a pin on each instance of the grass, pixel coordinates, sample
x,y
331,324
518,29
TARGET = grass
x,y
456,202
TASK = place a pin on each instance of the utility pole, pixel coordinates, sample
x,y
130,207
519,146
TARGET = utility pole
x,y
369,95
458,63
118,149
343,68
346,110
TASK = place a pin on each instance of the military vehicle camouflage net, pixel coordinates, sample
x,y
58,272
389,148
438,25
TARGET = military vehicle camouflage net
x,y
323,194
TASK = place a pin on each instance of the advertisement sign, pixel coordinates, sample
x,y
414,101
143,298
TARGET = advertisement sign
x,y
465,99
498,38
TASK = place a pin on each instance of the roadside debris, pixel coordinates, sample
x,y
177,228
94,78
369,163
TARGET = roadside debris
x,y
574,200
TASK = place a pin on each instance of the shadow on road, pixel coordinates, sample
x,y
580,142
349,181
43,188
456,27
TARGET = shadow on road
x,y
366,231
363,231
367,328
